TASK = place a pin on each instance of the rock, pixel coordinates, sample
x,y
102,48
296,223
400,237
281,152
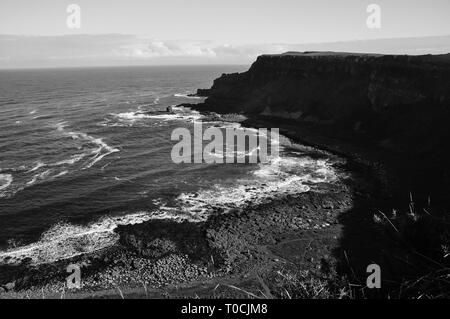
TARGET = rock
x,y
369,96
10,286
202,92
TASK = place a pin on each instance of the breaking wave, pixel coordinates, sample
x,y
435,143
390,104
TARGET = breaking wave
x,y
291,171
187,95
282,175
133,117
279,178
97,154
5,181
92,149
64,240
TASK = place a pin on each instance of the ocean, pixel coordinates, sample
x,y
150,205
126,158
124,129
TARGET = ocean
x,y
81,152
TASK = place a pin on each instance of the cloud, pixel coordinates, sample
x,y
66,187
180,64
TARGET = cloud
x,y
164,49
32,51
118,49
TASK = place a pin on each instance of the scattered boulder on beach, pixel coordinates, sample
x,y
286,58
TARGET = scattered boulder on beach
x,y
160,238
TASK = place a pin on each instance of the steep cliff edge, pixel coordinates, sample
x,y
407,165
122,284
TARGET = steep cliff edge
x,y
400,103
390,115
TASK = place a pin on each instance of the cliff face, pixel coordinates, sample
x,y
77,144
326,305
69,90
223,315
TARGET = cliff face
x,y
399,102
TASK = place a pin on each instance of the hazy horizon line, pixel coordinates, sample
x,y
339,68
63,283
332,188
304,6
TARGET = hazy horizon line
x,y
208,40
122,50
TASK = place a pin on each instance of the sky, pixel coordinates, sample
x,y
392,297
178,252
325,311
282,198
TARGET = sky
x,y
34,33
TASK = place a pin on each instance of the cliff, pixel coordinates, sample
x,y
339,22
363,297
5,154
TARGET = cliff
x,y
400,103
389,115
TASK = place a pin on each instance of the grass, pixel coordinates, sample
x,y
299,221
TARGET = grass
x,y
416,248
424,236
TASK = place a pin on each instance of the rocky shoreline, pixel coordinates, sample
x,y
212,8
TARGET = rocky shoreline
x,y
160,255
240,247
316,244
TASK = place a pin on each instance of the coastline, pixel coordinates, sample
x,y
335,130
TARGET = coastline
x,y
315,244
254,248
259,241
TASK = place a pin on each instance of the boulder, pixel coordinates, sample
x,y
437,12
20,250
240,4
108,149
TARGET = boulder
x,y
10,286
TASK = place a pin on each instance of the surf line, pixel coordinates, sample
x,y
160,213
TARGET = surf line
x,y
253,152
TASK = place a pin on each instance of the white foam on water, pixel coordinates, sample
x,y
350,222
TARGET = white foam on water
x,y
181,116
170,117
271,181
5,181
179,109
40,176
38,165
97,154
186,95
229,150
50,171
95,149
65,240
132,117
199,206
61,174
230,125
282,175
70,161
98,157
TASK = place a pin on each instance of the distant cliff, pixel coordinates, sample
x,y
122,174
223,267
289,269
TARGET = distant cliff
x,y
401,103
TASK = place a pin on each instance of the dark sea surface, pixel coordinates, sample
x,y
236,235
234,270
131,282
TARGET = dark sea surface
x,y
80,154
